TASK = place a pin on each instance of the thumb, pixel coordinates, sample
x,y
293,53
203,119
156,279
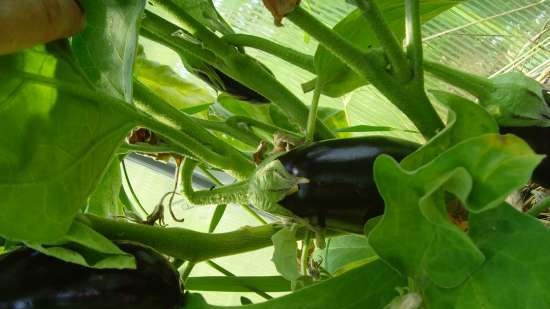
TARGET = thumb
x,y
24,23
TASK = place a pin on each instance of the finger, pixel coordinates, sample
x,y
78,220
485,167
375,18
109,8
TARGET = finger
x,y
24,23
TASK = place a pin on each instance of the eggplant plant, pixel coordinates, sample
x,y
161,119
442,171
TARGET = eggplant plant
x,y
383,222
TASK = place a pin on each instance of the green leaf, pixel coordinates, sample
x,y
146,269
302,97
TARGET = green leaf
x,y
341,251
465,120
333,118
181,93
55,146
516,247
216,217
284,253
84,246
336,77
104,202
415,234
371,286
105,53
238,284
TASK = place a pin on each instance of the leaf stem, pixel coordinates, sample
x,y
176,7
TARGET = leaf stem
x,y
413,40
393,49
310,132
477,85
305,252
270,129
230,274
131,188
288,54
220,126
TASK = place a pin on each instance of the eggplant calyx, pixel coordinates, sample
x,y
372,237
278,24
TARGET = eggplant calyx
x,y
270,184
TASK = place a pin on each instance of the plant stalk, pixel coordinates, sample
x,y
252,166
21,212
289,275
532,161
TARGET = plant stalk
x,y
413,40
476,85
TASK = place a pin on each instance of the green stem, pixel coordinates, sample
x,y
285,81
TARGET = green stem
x,y
476,85
126,148
310,132
539,207
290,55
237,65
233,193
243,136
187,271
230,274
305,252
385,36
267,128
129,183
413,41
214,150
183,243
409,97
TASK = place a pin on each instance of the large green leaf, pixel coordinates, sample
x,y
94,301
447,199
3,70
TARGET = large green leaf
x,y
104,202
372,286
104,52
415,234
84,246
346,250
55,146
516,248
205,12
336,77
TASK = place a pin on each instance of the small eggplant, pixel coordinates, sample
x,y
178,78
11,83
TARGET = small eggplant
x,y
30,279
338,184
539,139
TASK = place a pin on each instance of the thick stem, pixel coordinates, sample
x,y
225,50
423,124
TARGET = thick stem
x,y
310,132
408,97
305,252
476,85
387,40
237,65
233,193
413,41
290,55
183,243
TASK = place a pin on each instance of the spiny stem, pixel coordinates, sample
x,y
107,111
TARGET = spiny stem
x,y
305,252
233,193
385,36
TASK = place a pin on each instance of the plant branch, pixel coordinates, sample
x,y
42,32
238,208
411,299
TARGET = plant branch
x,y
409,97
310,132
413,41
476,85
230,274
269,129
393,49
220,126
290,55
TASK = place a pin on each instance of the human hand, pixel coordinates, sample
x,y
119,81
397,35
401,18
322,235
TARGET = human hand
x,y
24,23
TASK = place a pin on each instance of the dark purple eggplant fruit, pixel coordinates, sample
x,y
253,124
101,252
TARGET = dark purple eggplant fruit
x,y
32,280
339,172
539,139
